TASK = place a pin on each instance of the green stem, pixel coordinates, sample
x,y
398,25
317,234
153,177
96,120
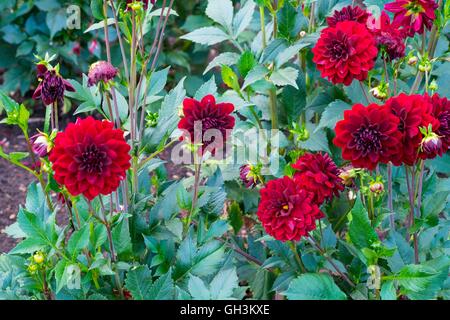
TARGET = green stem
x,y
298,259
263,26
195,196
315,244
273,108
154,154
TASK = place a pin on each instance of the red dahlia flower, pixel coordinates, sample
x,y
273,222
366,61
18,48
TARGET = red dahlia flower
x,y
318,174
208,115
368,135
389,37
345,52
414,15
247,178
90,157
441,111
101,71
413,112
286,211
348,13
51,87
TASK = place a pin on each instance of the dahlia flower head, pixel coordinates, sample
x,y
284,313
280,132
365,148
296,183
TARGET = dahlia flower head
x,y
101,71
286,210
348,13
51,86
318,174
368,135
441,112
414,15
389,37
208,115
90,157
247,177
413,112
345,52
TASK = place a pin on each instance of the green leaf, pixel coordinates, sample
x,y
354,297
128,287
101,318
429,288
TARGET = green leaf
x,y
47,5
97,9
217,229
361,232
221,11
312,286
209,87
56,21
289,21
78,240
317,141
197,288
388,291
158,81
235,217
121,237
284,77
243,17
290,52
246,63
257,73
139,282
230,78
29,245
332,114
294,100
163,288
223,284
207,35
226,58
420,281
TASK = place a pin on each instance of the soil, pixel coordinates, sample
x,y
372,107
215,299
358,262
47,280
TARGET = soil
x,y
13,183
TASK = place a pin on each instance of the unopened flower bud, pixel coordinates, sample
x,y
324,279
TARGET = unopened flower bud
x,y
32,268
347,174
431,144
425,65
151,119
38,257
376,187
42,143
433,85
249,175
101,71
412,60
381,91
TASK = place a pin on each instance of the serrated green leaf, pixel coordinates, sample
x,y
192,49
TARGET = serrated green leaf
x,y
312,286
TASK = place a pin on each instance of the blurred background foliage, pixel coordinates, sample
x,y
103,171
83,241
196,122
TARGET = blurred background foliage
x,y
29,27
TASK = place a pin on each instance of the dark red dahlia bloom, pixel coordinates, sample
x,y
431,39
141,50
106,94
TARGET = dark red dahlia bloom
x,y
413,15
441,112
90,157
389,37
368,135
345,52
348,13
318,174
51,87
287,211
246,176
202,117
413,112
101,71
